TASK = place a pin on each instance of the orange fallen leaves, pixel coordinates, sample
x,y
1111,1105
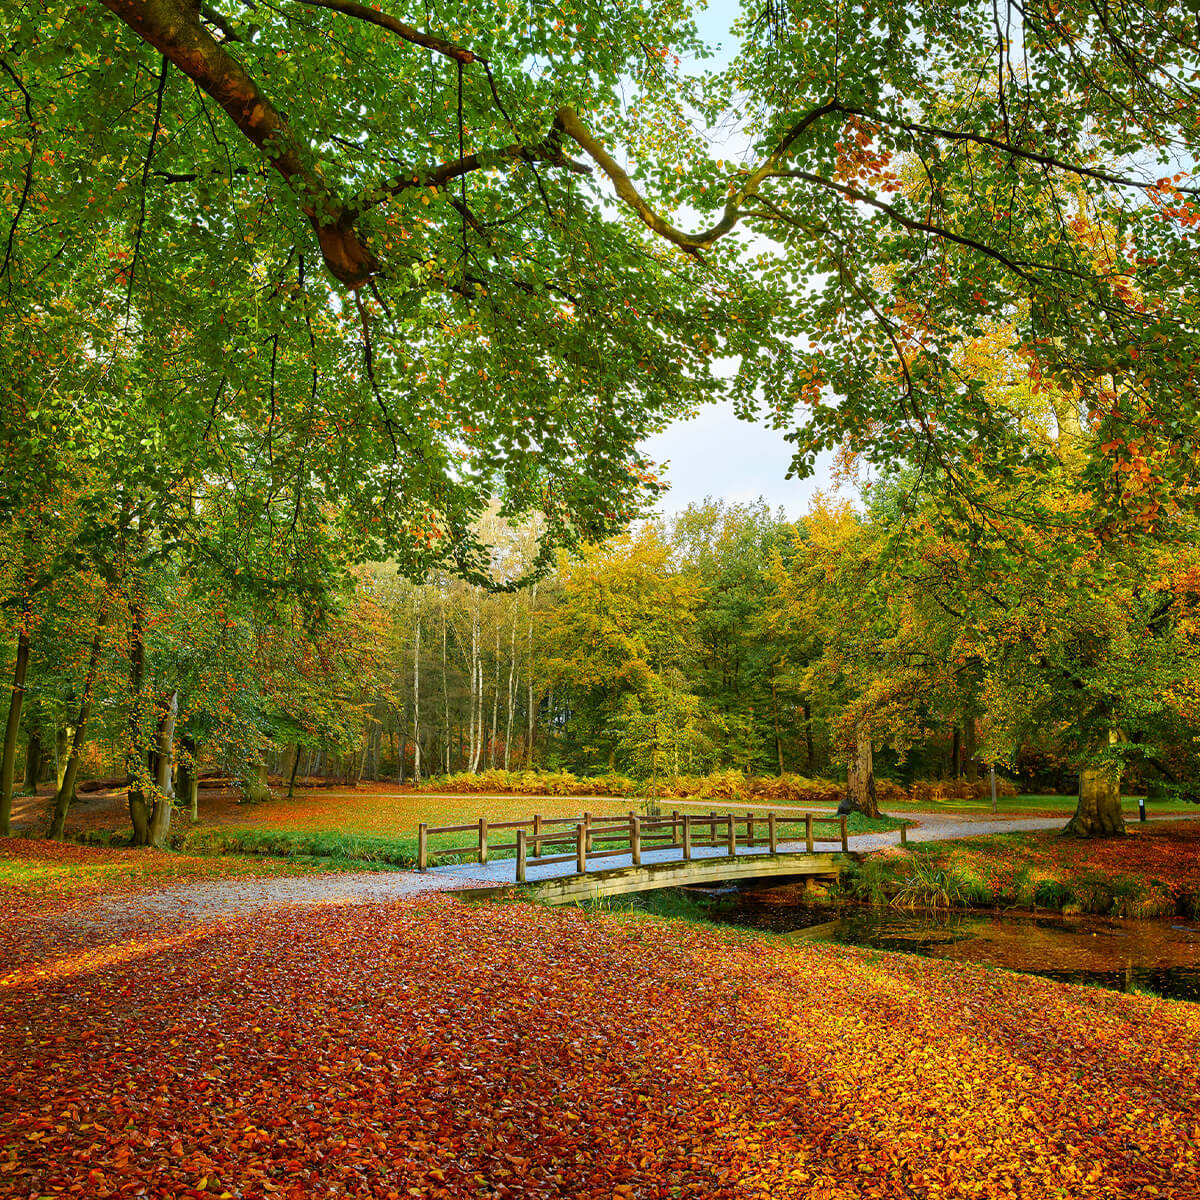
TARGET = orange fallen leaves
x,y
432,1048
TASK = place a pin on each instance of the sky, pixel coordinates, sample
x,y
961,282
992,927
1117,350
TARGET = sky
x,y
715,454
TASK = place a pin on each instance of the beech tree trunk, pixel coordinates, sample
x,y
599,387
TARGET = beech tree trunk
x,y
164,774
1098,812
255,788
187,779
62,748
860,777
529,683
35,759
64,797
292,774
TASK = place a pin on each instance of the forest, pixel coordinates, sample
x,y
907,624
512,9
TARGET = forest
x,y
368,701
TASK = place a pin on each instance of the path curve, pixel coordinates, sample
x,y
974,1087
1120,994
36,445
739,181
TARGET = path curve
x,y
192,904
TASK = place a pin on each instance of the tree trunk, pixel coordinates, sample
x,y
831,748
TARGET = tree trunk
x,y
955,753
512,665
970,749
292,776
860,777
15,704
139,814
34,760
62,748
1098,812
164,783
809,756
417,706
64,797
254,787
775,718
187,778
491,749
531,721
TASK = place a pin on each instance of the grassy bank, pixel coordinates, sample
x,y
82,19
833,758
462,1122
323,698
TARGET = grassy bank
x,y
1152,872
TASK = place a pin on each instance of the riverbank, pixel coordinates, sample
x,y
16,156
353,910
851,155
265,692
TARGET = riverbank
x,y
1152,872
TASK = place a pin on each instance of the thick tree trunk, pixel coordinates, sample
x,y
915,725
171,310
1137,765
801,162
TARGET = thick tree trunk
x,y
254,787
11,730
164,783
64,797
530,717
187,776
860,777
62,748
955,755
809,755
1098,812
292,774
35,758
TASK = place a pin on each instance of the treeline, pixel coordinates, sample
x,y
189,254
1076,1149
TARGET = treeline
x,y
846,644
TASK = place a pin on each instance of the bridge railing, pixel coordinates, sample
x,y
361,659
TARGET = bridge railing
x,y
540,840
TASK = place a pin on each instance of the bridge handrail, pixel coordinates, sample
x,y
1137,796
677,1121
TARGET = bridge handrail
x,y
635,832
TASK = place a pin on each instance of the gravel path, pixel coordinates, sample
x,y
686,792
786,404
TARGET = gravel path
x,y
193,904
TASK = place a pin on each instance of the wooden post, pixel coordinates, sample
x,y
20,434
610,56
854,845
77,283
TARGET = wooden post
x,y
687,836
772,839
483,839
712,828
422,846
537,835
808,832
580,849
732,837
587,833
520,856
845,838
635,840
904,835
674,828
749,829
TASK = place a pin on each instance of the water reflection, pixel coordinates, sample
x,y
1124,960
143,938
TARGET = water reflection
x,y
1156,956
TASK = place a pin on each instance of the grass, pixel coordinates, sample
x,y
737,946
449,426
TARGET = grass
x,y
1152,872
40,870
366,830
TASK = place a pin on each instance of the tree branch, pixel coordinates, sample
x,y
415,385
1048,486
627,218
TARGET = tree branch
x,y
362,13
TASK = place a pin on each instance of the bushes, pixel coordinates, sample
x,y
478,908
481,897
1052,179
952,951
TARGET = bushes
x,y
531,783
727,785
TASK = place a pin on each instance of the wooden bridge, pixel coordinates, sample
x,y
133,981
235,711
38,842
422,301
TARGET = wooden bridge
x,y
572,858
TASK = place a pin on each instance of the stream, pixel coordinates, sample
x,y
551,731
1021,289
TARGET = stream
x,y
1162,957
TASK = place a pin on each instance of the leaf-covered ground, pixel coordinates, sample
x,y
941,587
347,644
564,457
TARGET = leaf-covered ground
x,y
438,1049
33,872
1153,871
